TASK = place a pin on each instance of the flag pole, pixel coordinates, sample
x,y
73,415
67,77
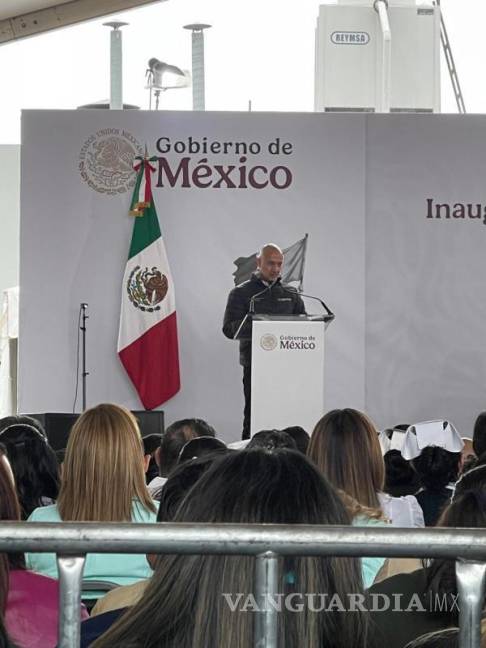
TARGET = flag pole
x,y
301,284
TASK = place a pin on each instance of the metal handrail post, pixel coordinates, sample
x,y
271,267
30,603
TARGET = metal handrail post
x,y
471,580
70,570
266,591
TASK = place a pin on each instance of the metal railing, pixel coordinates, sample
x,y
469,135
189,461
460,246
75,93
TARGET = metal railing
x,y
71,542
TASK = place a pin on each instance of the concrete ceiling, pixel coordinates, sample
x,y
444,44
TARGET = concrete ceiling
x,y
22,18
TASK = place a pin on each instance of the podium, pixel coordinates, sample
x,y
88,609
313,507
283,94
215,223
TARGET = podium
x,y
287,371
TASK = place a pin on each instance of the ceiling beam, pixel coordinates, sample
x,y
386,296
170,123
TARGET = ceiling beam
x,y
62,15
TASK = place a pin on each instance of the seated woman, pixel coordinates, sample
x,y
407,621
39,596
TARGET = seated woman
x,y
33,461
29,601
183,604
181,480
103,480
345,447
434,448
437,470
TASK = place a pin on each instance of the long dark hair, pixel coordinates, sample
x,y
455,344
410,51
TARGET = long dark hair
x,y
479,435
436,467
400,477
467,510
34,464
183,605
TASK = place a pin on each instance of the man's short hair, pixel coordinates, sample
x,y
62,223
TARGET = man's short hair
x,y
176,436
272,440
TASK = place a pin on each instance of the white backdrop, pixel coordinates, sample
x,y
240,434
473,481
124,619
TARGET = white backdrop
x,y
425,277
74,243
409,292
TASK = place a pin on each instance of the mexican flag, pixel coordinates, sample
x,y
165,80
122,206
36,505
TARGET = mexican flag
x,y
147,339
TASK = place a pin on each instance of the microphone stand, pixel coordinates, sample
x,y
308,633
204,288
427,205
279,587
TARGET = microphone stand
x,y
293,290
84,373
330,314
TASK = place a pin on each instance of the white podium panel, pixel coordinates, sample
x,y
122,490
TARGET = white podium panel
x,y
287,374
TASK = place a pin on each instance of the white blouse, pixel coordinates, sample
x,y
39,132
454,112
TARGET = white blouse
x,y
402,511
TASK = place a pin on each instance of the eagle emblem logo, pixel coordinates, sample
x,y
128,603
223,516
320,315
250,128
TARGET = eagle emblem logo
x,y
147,288
268,342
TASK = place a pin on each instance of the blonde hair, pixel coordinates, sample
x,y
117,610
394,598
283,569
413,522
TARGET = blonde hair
x,y
344,445
354,508
103,467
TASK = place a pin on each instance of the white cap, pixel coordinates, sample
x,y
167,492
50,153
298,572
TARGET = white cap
x,y
391,439
441,434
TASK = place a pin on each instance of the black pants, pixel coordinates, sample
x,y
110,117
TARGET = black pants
x,y
247,410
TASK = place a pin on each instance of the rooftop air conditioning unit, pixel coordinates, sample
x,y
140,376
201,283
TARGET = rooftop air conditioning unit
x,y
378,56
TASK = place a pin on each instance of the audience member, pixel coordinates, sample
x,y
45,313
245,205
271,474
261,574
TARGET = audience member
x,y
181,480
151,443
434,447
437,470
468,457
400,478
473,479
349,440
33,461
479,435
29,601
300,436
345,447
442,639
4,583
102,481
433,587
173,440
183,605
201,447
271,440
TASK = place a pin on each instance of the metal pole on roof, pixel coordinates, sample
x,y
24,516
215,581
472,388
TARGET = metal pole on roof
x,y
116,65
198,84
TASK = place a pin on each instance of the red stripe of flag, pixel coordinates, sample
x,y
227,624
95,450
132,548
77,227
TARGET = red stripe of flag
x,y
152,362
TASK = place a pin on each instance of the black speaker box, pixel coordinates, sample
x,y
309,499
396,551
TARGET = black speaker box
x,y
150,422
58,425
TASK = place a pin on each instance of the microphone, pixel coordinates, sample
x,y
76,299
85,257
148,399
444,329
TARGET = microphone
x,y
293,290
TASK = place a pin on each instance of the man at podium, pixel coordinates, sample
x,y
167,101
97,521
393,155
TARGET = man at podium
x,y
263,294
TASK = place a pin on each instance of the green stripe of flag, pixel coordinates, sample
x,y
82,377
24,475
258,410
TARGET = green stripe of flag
x,y
146,228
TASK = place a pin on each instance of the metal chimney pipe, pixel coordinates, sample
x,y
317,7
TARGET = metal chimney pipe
x,y
116,65
198,90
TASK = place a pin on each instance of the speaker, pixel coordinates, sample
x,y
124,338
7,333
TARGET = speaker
x,y
150,422
58,425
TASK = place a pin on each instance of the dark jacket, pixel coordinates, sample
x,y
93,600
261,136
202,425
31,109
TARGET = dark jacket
x,y
94,627
278,300
415,609
433,503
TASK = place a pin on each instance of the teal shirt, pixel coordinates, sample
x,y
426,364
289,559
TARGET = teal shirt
x,y
123,569
370,566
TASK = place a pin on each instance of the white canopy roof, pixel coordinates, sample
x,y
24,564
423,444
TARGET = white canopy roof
x,y
22,18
